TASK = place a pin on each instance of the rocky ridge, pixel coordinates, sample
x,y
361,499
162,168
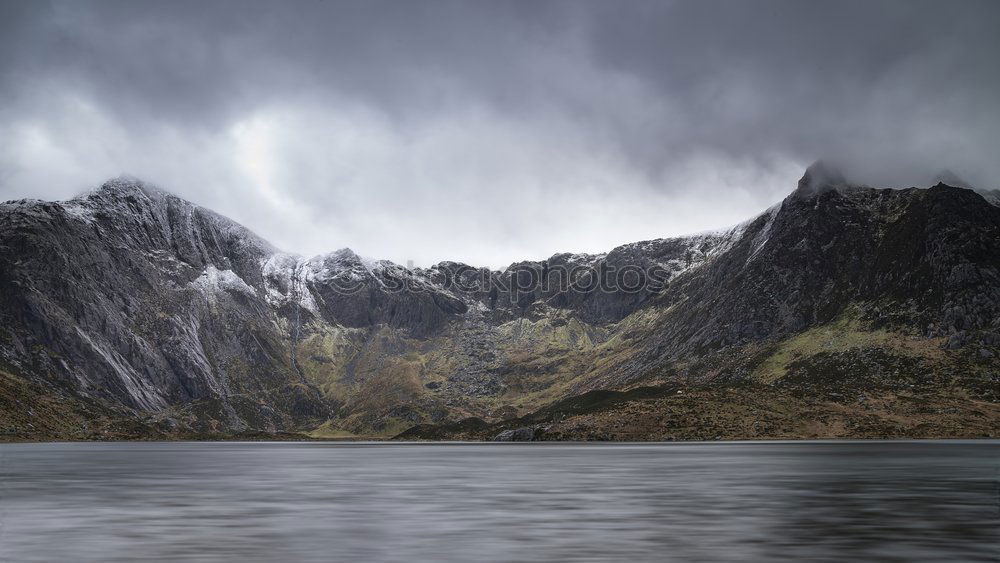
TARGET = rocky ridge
x,y
138,299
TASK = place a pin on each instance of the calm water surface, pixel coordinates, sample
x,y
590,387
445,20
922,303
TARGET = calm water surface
x,y
893,501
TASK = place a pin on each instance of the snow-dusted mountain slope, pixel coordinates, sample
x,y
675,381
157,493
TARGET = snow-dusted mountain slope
x,y
133,296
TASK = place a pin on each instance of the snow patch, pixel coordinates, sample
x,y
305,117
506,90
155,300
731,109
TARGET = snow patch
x,y
287,278
585,260
79,211
214,280
765,233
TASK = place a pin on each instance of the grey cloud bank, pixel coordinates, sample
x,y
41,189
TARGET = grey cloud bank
x,y
492,132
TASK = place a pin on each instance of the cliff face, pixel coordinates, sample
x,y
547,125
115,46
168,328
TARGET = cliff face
x,y
920,259
136,296
145,302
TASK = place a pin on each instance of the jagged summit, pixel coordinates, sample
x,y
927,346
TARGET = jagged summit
x,y
122,186
949,178
344,253
125,183
821,176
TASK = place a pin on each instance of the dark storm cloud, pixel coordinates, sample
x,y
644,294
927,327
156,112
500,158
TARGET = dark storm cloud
x,y
525,127
202,63
877,84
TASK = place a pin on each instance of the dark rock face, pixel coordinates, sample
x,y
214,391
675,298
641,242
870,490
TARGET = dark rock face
x,y
131,294
516,435
135,296
599,289
992,196
355,294
932,256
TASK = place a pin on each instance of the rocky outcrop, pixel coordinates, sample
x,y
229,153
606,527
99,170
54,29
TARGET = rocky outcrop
x,y
929,257
516,435
133,295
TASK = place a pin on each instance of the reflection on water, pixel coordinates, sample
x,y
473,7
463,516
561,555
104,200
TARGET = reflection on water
x,y
930,501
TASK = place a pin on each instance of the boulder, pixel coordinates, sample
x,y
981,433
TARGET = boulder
x,y
516,435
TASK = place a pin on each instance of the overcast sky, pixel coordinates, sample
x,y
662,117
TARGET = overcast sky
x,y
488,131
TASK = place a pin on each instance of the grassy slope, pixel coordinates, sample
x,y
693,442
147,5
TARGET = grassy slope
x,y
34,410
840,380
843,379
386,382
38,411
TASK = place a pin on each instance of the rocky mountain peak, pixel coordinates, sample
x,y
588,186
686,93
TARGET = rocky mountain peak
x,y
821,176
345,254
124,186
124,197
949,178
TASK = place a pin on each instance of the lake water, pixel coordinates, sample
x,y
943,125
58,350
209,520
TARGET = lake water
x,y
832,501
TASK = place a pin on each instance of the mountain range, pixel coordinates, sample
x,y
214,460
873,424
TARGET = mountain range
x,y
842,311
